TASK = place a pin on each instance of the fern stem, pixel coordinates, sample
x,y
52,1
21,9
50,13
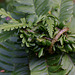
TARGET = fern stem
x,y
56,38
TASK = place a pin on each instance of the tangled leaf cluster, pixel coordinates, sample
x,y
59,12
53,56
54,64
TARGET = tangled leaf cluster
x,y
46,34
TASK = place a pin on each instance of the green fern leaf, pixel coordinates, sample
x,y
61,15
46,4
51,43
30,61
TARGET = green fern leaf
x,y
4,14
11,26
50,27
8,27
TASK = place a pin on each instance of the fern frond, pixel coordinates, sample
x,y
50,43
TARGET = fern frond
x,y
4,13
8,27
11,26
50,26
13,23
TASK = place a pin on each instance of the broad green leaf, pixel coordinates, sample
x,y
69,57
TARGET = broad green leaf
x,y
54,3
37,7
72,25
59,73
74,10
72,56
54,66
38,66
40,52
13,58
61,41
66,10
68,65
5,35
46,66
72,72
34,8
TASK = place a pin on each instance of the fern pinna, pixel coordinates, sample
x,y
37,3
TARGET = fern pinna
x,y
33,41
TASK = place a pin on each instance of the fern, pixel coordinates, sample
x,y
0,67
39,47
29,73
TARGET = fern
x,y
13,23
50,27
4,14
11,26
7,27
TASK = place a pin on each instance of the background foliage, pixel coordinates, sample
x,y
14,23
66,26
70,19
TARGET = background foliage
x,y
19,54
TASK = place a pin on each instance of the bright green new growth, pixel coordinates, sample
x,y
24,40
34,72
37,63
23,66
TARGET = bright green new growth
x,y
13,24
